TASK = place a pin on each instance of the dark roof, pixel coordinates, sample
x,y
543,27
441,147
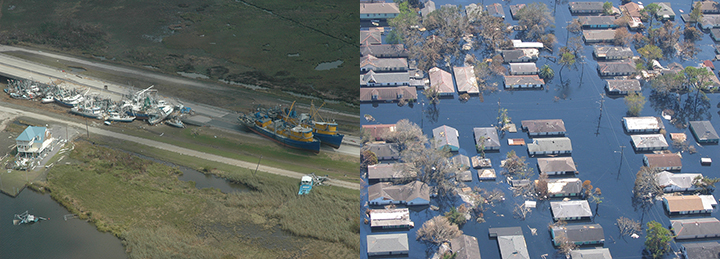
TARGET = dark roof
x,y
704,130
586,6
556,164
384,149
616,67
515,54
491,135
384,171
612,51
506,231
385,50
624,85
597,20
465,247
407,192
523,79
580,233
688,228
541,126
702,250
663,160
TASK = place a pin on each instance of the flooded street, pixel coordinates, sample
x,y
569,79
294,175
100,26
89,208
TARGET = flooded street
x,y
601,149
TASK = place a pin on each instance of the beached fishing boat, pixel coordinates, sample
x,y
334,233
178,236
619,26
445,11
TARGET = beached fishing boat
x,y
87,111
175,122
325,131
116,116
278,130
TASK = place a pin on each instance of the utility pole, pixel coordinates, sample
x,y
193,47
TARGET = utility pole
x,y
258,166
622,156
86,128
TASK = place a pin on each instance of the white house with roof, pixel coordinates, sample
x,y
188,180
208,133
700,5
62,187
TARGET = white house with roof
x,y
33,141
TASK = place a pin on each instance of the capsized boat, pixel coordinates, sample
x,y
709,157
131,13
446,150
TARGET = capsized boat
x,y
278,130
26,218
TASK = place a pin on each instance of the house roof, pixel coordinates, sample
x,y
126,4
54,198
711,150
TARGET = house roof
x,y
390,217
570,209
446,135
550,144
391,170
556,164
511,242
663,160
441,80
515,8
495,10
665,10
695,227
704,130
461,161
597,20
387,243
373,62
649,141
519,44
684,180
683,203
597,253
384,78
465,247
406,192
465,79
378,130
523,80
599,35
490,134
624,85
515,54
543,126
32,132
564,186
708,6
710,20
387,93
586,6
643,123
702,250
429,7
580,233
612,51
633,9
616,67
523,68
370,8
384,149
396,50
370,37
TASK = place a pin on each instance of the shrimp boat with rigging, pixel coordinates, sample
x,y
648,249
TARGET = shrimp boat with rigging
x,y
278,130
325,131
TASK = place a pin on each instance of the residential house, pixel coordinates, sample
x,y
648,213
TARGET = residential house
x,y
511,242
598,253
622,86
685,204
388,173
564,187
388,94
570,210
671,182
461,161
514,10
665,162
695,228
519,44
372,79
665,12
378,131
480,162
715,35
376,11
391,219
495,10
490,140
633,11
616,68
429,8
370,37
550,146
387,244
372,63
557,165
441,81
598,22
643,124
487,174
708,7
464,176
523,69
710,21
446,137
586,234
612,52
523,82
34,142
384,193
538,128
649,142
598,36
520,55
465,247
384,151
586,8
465,79
701,250
384,51
704,132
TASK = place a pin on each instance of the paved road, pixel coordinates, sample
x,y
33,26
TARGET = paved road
x,y
180,150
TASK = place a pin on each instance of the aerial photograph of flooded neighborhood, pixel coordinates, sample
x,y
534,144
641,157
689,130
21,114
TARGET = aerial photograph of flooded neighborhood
x,y
539,129
179,129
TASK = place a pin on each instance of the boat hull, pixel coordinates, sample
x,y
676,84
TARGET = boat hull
x,y
330,140
85,114
139,116
313,146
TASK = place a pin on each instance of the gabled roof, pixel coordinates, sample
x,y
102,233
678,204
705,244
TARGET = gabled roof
x,y
369,8
612,51
580,233
490,134
406,192
570,209
387,243
465,78
523,80
708,6
597,20
684,180
550,144
683,203
384,149
702,250
543,126
597,253
633,9
377,131
394,50
564,186
704,130
32,132
556,164
441,80
616,67
586,6
515,54
461,161
663,160
465,247
446,135
665,10
688,228
495,10
383,171
599,35
624,85
373,62
370,37
429,8
387,93
384,78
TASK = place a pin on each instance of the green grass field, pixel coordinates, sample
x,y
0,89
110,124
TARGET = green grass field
x,y
157,216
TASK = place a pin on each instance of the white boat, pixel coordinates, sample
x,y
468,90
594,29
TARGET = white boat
x,y
47,99
115,116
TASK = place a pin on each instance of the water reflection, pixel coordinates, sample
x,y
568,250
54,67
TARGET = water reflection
x,y
681,107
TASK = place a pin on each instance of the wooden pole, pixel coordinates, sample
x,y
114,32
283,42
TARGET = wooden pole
x,y
258,166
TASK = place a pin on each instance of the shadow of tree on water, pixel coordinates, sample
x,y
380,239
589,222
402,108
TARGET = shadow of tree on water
x,y
432,112
684,108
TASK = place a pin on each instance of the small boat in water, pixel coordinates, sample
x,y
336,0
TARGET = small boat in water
x,y
26,218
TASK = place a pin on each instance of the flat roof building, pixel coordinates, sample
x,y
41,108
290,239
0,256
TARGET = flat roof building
x,y
643,124
391,218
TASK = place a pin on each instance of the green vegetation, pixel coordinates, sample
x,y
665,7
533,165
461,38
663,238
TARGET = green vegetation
x,y
657,241
241,41
607,8
156,215
547,72
635,103
455,216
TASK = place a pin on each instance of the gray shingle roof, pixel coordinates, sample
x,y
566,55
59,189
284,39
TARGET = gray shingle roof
x,y
704,130
702,250
649,141
581,233
446,135
406,192
556,164
570,209
689,228
490,134
550,144
384,171
465,247
612,52
623,85
543,126
387,243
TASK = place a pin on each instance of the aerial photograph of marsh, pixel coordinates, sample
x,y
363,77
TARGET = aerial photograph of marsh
x,y
539,129
179,129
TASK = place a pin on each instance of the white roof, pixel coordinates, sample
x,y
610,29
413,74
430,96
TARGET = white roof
x,y
520,44
640,123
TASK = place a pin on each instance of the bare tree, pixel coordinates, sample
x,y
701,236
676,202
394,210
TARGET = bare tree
x,y
623,37
406,134
516,166
438,230
628,226
646,185
565,246
521,211
541,186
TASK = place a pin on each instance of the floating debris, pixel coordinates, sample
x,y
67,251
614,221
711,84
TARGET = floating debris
x,y
26,218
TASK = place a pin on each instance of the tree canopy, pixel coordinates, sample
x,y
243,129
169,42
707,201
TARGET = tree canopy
x,y
536,18
657,241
